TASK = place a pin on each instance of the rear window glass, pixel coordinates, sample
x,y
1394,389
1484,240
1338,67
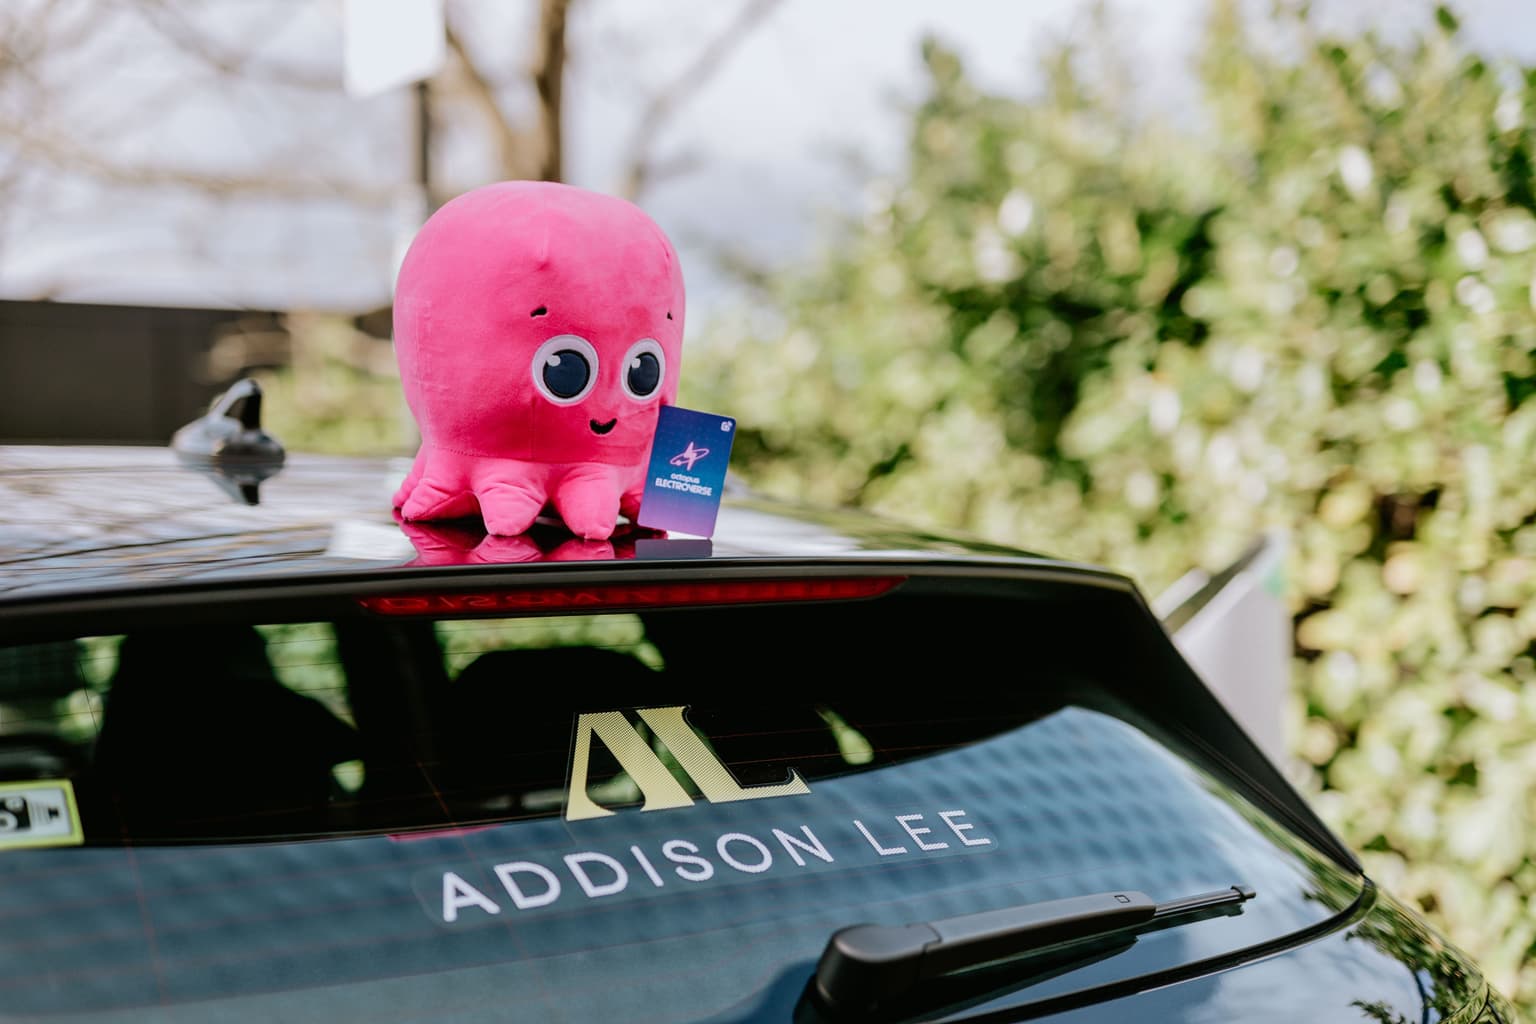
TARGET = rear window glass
x,y
659,816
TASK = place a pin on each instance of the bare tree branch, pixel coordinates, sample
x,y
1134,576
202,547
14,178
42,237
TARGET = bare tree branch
x,y
173,23
548,72
641,166
674,164
536,153
69,157
741,266
511,144
53,25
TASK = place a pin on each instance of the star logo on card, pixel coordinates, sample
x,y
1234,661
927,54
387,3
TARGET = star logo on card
x,y
688,456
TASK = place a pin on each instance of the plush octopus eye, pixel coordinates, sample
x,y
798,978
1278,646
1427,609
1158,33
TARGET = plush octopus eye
x,y
644,367
565,368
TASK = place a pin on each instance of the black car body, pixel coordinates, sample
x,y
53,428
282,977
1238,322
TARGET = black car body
x,y
295,761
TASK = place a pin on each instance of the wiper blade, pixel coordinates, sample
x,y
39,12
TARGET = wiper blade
x,y
867,965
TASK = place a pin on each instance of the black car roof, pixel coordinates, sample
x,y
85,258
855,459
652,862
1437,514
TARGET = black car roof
x,y
82,520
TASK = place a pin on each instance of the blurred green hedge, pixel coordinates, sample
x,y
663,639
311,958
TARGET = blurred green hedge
x,y
340,393
1309,307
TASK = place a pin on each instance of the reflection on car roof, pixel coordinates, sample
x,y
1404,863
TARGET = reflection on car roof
x,y
90,519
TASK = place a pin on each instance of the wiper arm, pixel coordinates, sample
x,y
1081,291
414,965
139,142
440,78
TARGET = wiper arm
x,y
866,965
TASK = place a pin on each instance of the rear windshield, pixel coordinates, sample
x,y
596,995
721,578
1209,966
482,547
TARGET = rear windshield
x,y
661,816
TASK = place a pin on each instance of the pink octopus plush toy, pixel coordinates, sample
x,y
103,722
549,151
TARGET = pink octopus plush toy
x,y
539,331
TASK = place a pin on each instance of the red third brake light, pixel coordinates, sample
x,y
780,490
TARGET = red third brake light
x,y
616,596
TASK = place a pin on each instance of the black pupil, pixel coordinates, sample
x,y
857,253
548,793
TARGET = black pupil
x,y
644,373
566,373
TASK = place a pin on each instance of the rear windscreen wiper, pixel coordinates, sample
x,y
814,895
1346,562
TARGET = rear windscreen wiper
x,y
866,966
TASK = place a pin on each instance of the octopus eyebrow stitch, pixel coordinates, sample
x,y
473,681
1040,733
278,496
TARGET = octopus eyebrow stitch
x,y
543,310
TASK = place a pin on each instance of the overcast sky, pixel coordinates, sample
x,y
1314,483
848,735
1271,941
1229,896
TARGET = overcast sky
x,y
787,131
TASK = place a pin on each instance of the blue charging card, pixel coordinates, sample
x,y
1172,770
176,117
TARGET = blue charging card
x,y
687,471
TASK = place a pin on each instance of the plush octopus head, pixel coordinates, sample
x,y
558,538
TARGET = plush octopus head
x,y
539,329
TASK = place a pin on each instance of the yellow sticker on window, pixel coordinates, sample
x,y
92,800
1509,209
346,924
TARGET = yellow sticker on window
x,y
657,785
41,812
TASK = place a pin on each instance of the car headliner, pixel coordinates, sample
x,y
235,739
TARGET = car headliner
x,y
83,520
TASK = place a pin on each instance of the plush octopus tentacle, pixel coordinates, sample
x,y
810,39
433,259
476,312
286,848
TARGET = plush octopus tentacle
x,y
442,491
587,498
403,492
511,494
629,501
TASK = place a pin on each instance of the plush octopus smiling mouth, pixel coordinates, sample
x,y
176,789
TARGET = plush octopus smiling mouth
x,y
538,328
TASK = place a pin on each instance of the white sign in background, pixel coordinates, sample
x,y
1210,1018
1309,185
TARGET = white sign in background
x,y
389,43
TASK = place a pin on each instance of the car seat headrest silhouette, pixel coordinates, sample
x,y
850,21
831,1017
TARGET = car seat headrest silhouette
x,y
198,734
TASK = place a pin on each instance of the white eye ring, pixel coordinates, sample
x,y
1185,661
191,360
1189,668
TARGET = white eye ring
x,y
638,349
547,356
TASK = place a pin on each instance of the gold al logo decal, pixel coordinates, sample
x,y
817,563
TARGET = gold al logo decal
x,y
655,781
